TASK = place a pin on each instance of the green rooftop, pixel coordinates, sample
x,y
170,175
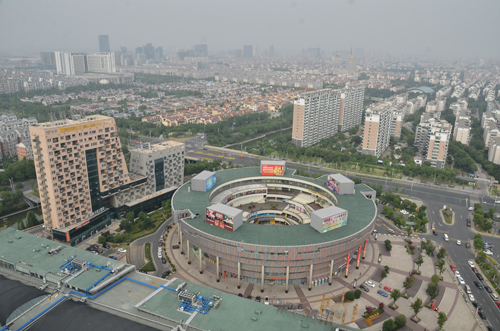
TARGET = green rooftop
x,y
362,212
18,246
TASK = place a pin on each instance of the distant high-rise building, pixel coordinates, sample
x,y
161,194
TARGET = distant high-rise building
x,y
311,53
48,59
238,53
104,44
432,138
248,51
271,51
321,114
149,51
123,49
351,67
139,50
201,50
79,63
158,53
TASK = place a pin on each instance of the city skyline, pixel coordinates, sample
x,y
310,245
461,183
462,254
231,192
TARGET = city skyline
x,y
465,34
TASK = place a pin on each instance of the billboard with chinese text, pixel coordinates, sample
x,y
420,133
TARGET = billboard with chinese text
x,y
273,170
333,184
334,222
218,219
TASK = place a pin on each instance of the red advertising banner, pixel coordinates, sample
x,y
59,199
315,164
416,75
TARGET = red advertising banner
x,y
219,219
273,170
67,237
347,265
364,250
359,257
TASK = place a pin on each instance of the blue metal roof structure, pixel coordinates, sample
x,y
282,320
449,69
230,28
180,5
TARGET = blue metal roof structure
x,y
424,89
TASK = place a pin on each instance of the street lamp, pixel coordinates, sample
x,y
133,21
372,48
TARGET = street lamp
x,y
411,191
356,169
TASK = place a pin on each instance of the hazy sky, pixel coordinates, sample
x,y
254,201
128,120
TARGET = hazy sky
x,y
457,28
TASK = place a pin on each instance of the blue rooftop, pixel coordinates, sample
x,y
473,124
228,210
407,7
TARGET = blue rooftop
x,y
424,89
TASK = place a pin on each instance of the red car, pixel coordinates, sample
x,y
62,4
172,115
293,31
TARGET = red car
x,y
452,267
241,156
498,304
475,270
388,289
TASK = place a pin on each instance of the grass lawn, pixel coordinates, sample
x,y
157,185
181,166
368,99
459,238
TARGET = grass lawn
x,y
149,266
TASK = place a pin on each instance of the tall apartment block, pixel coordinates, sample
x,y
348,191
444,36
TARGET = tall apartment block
x,y
201,50
104,44
432,138
321,114
377,129
248,51
83,178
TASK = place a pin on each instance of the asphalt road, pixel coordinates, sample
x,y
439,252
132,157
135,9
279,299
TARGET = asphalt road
x,y
136,251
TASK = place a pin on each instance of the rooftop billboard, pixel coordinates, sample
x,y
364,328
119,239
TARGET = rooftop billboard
x,y
273,169
218,219
211,181
334,222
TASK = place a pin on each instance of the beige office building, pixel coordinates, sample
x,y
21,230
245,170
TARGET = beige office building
x,y
432,138
84,181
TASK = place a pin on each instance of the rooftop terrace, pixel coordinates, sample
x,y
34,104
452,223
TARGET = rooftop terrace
x,y
361,213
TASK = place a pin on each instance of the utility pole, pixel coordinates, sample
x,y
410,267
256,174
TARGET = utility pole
x,y
411,191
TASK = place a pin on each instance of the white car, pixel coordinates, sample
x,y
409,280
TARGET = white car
x,y
471,264
487,252
459,242
159,255
497,201
471,297
471,208
121,250
266,300
370,283
461,280
457,273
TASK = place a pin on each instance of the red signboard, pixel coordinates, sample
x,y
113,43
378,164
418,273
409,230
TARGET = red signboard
x,y
219,219
364,250
347,265
273,170
359,257
67,237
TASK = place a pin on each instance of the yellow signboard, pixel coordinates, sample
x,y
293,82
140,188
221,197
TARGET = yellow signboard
x,y
79,127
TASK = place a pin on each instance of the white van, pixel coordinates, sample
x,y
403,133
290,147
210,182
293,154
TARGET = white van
x,y
446,238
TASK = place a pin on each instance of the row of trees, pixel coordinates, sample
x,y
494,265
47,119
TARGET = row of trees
x,y
481,219
31,220
17,170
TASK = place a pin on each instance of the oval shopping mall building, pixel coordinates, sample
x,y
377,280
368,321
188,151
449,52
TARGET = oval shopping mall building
x,y
265,225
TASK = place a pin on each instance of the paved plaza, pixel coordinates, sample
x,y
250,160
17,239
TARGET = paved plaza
x,y
449,300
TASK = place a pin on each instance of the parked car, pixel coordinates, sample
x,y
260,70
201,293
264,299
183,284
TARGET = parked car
x,y
89,249
382,293
488,289
266,300
122,250
459,242
471,298
163,260
457,273
364,288
479,276
452,267
481,314
388,289
112,257
106,246
488,252
478,285
175,247
370,283
494,297
461,280
471,264
474,270
160,244
257,298
477,305
498,304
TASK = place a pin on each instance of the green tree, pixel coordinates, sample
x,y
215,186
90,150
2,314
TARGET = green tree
x,y
419,260
19,186
388,245
481,257
429,247
440,264
432,290
441,319
349,296
130,217
400,320
388,325
32,183
435,279
395,295
390,213
20,225
357,293
384,274
101,240
487,225
442,253
478,242
31,219
416,306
